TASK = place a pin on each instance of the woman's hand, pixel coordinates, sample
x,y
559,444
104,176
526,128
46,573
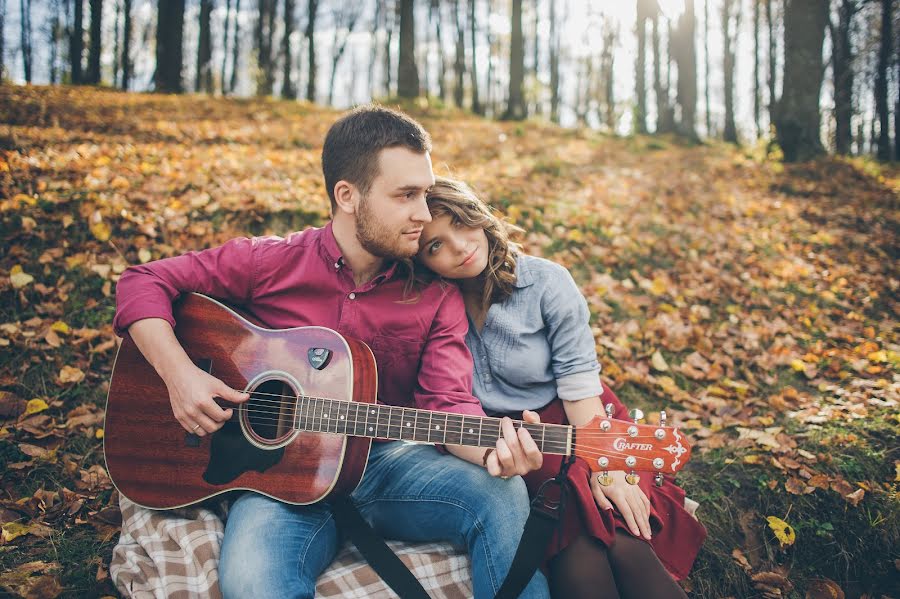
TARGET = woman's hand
x,y
516,452
630,500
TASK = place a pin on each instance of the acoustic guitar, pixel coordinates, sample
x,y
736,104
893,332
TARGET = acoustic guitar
x,y
305,432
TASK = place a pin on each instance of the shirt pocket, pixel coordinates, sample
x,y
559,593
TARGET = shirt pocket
x,y
398,366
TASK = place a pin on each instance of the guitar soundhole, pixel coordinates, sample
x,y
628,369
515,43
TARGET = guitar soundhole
x,y
269,414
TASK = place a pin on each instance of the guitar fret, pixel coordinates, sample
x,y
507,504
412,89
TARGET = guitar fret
x,y
453,435
421,429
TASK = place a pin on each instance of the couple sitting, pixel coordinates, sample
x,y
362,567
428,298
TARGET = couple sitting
x,y
422,271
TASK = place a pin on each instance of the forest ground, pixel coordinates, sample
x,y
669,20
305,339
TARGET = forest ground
x,y
756,302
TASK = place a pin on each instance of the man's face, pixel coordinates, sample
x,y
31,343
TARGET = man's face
x,y
390,218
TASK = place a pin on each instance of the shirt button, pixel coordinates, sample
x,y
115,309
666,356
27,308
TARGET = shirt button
x,y
352,296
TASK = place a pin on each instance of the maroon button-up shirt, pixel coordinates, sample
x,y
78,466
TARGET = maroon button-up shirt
x,y
302,280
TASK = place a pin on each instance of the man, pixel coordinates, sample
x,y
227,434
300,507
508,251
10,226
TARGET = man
x,y
348,276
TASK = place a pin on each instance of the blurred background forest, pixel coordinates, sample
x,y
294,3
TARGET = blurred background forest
x,y
817,75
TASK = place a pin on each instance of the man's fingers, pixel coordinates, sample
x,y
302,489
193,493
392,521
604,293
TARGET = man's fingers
x,y
232,395
206,425
504,456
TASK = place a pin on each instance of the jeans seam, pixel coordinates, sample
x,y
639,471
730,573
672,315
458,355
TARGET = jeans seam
x,y
478,525
307,545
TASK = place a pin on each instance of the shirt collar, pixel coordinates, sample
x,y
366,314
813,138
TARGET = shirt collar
x,y
524,275
336,258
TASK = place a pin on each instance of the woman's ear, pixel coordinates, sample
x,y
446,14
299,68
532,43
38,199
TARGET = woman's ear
x,y
345,194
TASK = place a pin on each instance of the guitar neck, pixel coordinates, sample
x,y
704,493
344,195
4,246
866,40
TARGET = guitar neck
x,y
321,415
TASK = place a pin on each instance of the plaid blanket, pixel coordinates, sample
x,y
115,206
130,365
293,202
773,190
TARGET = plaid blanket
x,y
175,554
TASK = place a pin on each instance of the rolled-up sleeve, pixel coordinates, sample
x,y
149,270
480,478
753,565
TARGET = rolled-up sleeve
x,y
574,355
445,370
148,290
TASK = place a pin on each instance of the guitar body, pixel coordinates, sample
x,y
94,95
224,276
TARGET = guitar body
x,y
154,462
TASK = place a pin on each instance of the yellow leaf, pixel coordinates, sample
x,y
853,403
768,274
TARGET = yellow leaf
x,y
35,405
783,531
26,199
99,433
798,365
575,235
513,213
61,327
101,231
70,375
144,255
18,278
658,287
878,356
752,459
658,362
14,530
897,471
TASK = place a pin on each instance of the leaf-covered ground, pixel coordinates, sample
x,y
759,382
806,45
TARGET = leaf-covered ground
x,y
757,303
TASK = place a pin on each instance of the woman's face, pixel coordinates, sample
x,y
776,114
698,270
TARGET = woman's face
x,y
453,250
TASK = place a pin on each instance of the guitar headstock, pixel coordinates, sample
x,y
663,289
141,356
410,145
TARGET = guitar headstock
x,y
609,444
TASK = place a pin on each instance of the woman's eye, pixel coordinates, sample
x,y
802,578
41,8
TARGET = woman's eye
x,y
434,247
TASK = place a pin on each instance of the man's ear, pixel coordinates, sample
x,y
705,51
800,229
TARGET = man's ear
x,y
345,196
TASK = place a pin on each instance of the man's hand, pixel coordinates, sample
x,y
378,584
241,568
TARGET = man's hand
x,y
630,500
191,393
516,452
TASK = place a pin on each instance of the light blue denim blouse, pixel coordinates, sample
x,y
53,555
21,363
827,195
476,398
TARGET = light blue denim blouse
x,y
537,345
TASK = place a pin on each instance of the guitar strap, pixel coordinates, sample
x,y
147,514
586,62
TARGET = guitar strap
x,y
543,519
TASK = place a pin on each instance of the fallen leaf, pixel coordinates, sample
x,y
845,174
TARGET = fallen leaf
x,y
658,362
19,278
783,531
35,405
824,588
68,374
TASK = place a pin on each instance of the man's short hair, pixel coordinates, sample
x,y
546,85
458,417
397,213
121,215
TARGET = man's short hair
x,y
353,144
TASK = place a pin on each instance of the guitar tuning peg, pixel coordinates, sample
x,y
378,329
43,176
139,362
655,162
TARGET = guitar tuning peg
x,y
604,479
662,417
632,478
658,479
609,410
636,415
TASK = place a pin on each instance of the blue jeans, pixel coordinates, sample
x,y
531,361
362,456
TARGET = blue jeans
x,y
409,492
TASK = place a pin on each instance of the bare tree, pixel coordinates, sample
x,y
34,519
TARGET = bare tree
x,y
881,81
203,80
55,35
312,10
477,106
169,46
644,11
756,95
534,71
664,117
554,49
25,30
797,114
842,69
773,50
288,88
407,74
116,42
93,72
236,47
436,16
2,39
264,40
126,44
344,17
607,74
226,30
459,67
373,40
706,67
731,25
76,41
686,59
390,25
515,107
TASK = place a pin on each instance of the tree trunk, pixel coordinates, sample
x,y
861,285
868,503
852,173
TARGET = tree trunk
x,y
729,38
93,73
897,112
53,38
640,66
706,67
477,106
686,59
126,44
203,79
663,112
607,60
169,46
756,95
842,68
312,9
235,47
288,88
515,107
25,29
773,50
554,64
436,16
373,38
351,13
225,32
407,74
2,39
881,81
76,42
536,56
459,66
117,48
265,25
390,24
797,114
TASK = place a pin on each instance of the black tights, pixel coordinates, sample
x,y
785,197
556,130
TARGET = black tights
x,y
627,570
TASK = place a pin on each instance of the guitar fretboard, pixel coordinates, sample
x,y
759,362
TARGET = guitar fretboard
x,y
321,415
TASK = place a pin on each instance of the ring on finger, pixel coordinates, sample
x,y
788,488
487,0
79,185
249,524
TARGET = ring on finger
x,y
194,430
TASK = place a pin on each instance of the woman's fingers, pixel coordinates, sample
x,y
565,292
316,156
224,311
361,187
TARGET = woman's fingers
x,y
599,497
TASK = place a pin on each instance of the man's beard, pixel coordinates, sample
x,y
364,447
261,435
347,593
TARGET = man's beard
x,y
374,237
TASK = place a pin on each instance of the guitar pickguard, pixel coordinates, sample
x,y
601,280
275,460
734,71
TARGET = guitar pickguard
x,y
231,455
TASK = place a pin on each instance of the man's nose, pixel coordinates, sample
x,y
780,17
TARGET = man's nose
x,y
422,214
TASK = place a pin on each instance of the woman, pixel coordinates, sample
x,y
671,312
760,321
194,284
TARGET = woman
x,y
534,350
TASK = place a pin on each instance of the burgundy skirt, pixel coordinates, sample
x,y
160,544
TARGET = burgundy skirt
x,y
677,536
